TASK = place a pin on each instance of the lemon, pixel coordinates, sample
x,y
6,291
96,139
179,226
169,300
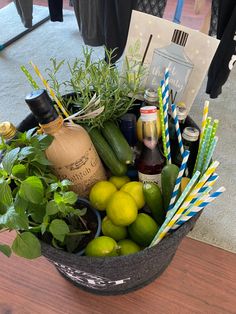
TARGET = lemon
x,y
119,181
113,231
101,193
101,246
183,183
122,209
143,229
140,131
127,247
135,189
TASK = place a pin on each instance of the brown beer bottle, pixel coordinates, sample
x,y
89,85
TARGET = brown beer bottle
x,y
72,153
151,160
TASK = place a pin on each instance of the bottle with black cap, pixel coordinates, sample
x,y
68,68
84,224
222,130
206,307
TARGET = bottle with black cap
x,y
175,59
72,153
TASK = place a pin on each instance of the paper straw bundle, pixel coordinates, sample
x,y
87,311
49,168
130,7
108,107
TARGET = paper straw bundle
x,y
51,92
162,122
202,203
178,180
179,209
165,99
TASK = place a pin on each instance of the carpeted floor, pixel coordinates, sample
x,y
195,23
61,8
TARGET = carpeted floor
x,y
62,40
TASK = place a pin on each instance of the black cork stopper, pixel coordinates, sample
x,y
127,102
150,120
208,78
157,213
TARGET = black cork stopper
x,y
41,106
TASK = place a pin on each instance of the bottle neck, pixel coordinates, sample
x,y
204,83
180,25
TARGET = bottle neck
x,y
53,126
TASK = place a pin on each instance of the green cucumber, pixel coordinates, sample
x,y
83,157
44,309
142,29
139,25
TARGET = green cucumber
x,y
168,177
106,153
117,141
153,199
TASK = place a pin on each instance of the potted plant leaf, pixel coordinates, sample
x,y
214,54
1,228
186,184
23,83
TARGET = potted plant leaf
x,y
37,205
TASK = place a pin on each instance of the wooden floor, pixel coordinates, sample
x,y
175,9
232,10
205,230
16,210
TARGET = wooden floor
x,y
200,279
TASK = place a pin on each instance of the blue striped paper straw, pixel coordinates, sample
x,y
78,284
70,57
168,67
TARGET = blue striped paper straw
x,y
177,128
172,212
210,182
178,180
203,148
167,90
178,211
196,209
165,111
197,199
210,153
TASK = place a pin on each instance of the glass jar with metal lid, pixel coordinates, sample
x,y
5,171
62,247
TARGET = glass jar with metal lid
x,y
7,130
151,98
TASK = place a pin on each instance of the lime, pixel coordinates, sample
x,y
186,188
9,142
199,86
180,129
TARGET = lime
x,y
127,247
135,189
113,231
122,209
119,181
101,246
101,193
143,229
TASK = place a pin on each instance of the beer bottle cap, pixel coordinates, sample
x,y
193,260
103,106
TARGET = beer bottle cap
x,y
191,134
41,106
7,130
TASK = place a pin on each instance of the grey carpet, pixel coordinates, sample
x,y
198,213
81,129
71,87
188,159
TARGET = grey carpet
x,y
62,40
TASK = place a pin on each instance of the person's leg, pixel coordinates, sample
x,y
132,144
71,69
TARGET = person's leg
x,y
25,10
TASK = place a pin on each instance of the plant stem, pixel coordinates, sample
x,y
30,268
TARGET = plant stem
x,y
78,233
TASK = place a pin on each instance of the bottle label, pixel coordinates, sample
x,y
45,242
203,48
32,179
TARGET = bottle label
x,y
156,178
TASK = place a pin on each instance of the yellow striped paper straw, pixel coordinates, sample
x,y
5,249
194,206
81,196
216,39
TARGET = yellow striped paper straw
x,y
204,117
51,92
163,231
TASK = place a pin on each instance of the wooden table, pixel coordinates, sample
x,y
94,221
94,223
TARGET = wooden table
x,y
201,279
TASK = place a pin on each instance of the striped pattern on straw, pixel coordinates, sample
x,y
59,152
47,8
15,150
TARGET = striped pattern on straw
x,y
178,179
51,92
204,117
169,222
206,199
165,111
160,234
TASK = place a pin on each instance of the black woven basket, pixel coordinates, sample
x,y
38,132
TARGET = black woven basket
x,y
115,275
118,275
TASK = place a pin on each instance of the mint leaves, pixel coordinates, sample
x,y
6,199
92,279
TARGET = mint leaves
x,y
33,202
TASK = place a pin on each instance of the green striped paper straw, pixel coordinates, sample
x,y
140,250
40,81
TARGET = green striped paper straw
x,y
204,148
213,133
29,77
172,212
208,122
162,122
210,153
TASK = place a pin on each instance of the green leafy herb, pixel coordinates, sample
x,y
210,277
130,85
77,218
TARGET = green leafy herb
x,y
33,202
